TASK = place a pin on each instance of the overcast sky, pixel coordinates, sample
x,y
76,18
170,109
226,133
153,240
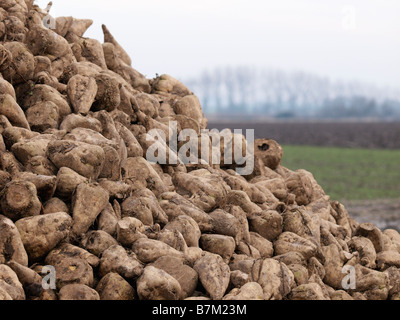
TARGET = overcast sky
x,y
344,40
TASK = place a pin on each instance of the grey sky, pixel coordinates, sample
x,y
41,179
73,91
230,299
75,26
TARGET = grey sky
x,y
182,37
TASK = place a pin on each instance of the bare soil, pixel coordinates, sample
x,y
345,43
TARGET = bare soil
x,y
385,214
371,135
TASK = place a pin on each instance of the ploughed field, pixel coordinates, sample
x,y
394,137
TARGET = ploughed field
x,y
374,135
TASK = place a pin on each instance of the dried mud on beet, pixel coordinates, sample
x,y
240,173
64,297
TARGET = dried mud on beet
x,y
79,199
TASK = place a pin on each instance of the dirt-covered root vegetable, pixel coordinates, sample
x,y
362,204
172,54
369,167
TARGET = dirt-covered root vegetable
x,y
373,284
242,263
368,230
300,185
174,205
91,137
43,116
365,249
67,181
5,178
393,276
341,216
66,250
264,246
156,151
239,279
276,186
46,78
192,254
51,45
5,124
19,200
145,207
113,287
156,284
239,183
73,121
124,262
116,189
107,220
25,150
129,230
134,149
112,153
340,295
322,208
241,199
85,159
274,277
148,104
107,97
13,135
45,185
149,250
188,227
387,259
300,273
10,108
291,242
78,292
268,224
218,244
90,50
121,53
140,174
30,280
249,291
14,27
137,80
240,215
7,88
190,106
111,168
128,106
203,189
394,237
19,64
9,163
333,266
269,151
96,242
309,291
11,245
10,286
214,275
82,92
88,200
168,84
173,239
175,267
302,222
227,224
68,25
248,250
42,92
55,205
41,234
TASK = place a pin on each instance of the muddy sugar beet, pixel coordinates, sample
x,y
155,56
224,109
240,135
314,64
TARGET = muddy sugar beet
x,y
85,214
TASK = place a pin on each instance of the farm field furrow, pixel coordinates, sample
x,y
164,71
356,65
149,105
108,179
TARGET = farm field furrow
x,y
374,135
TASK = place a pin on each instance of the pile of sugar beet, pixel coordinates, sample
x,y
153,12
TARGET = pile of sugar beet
x,y
79,197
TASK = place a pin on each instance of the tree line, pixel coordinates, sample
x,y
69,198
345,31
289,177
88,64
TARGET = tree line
x,y
281,94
